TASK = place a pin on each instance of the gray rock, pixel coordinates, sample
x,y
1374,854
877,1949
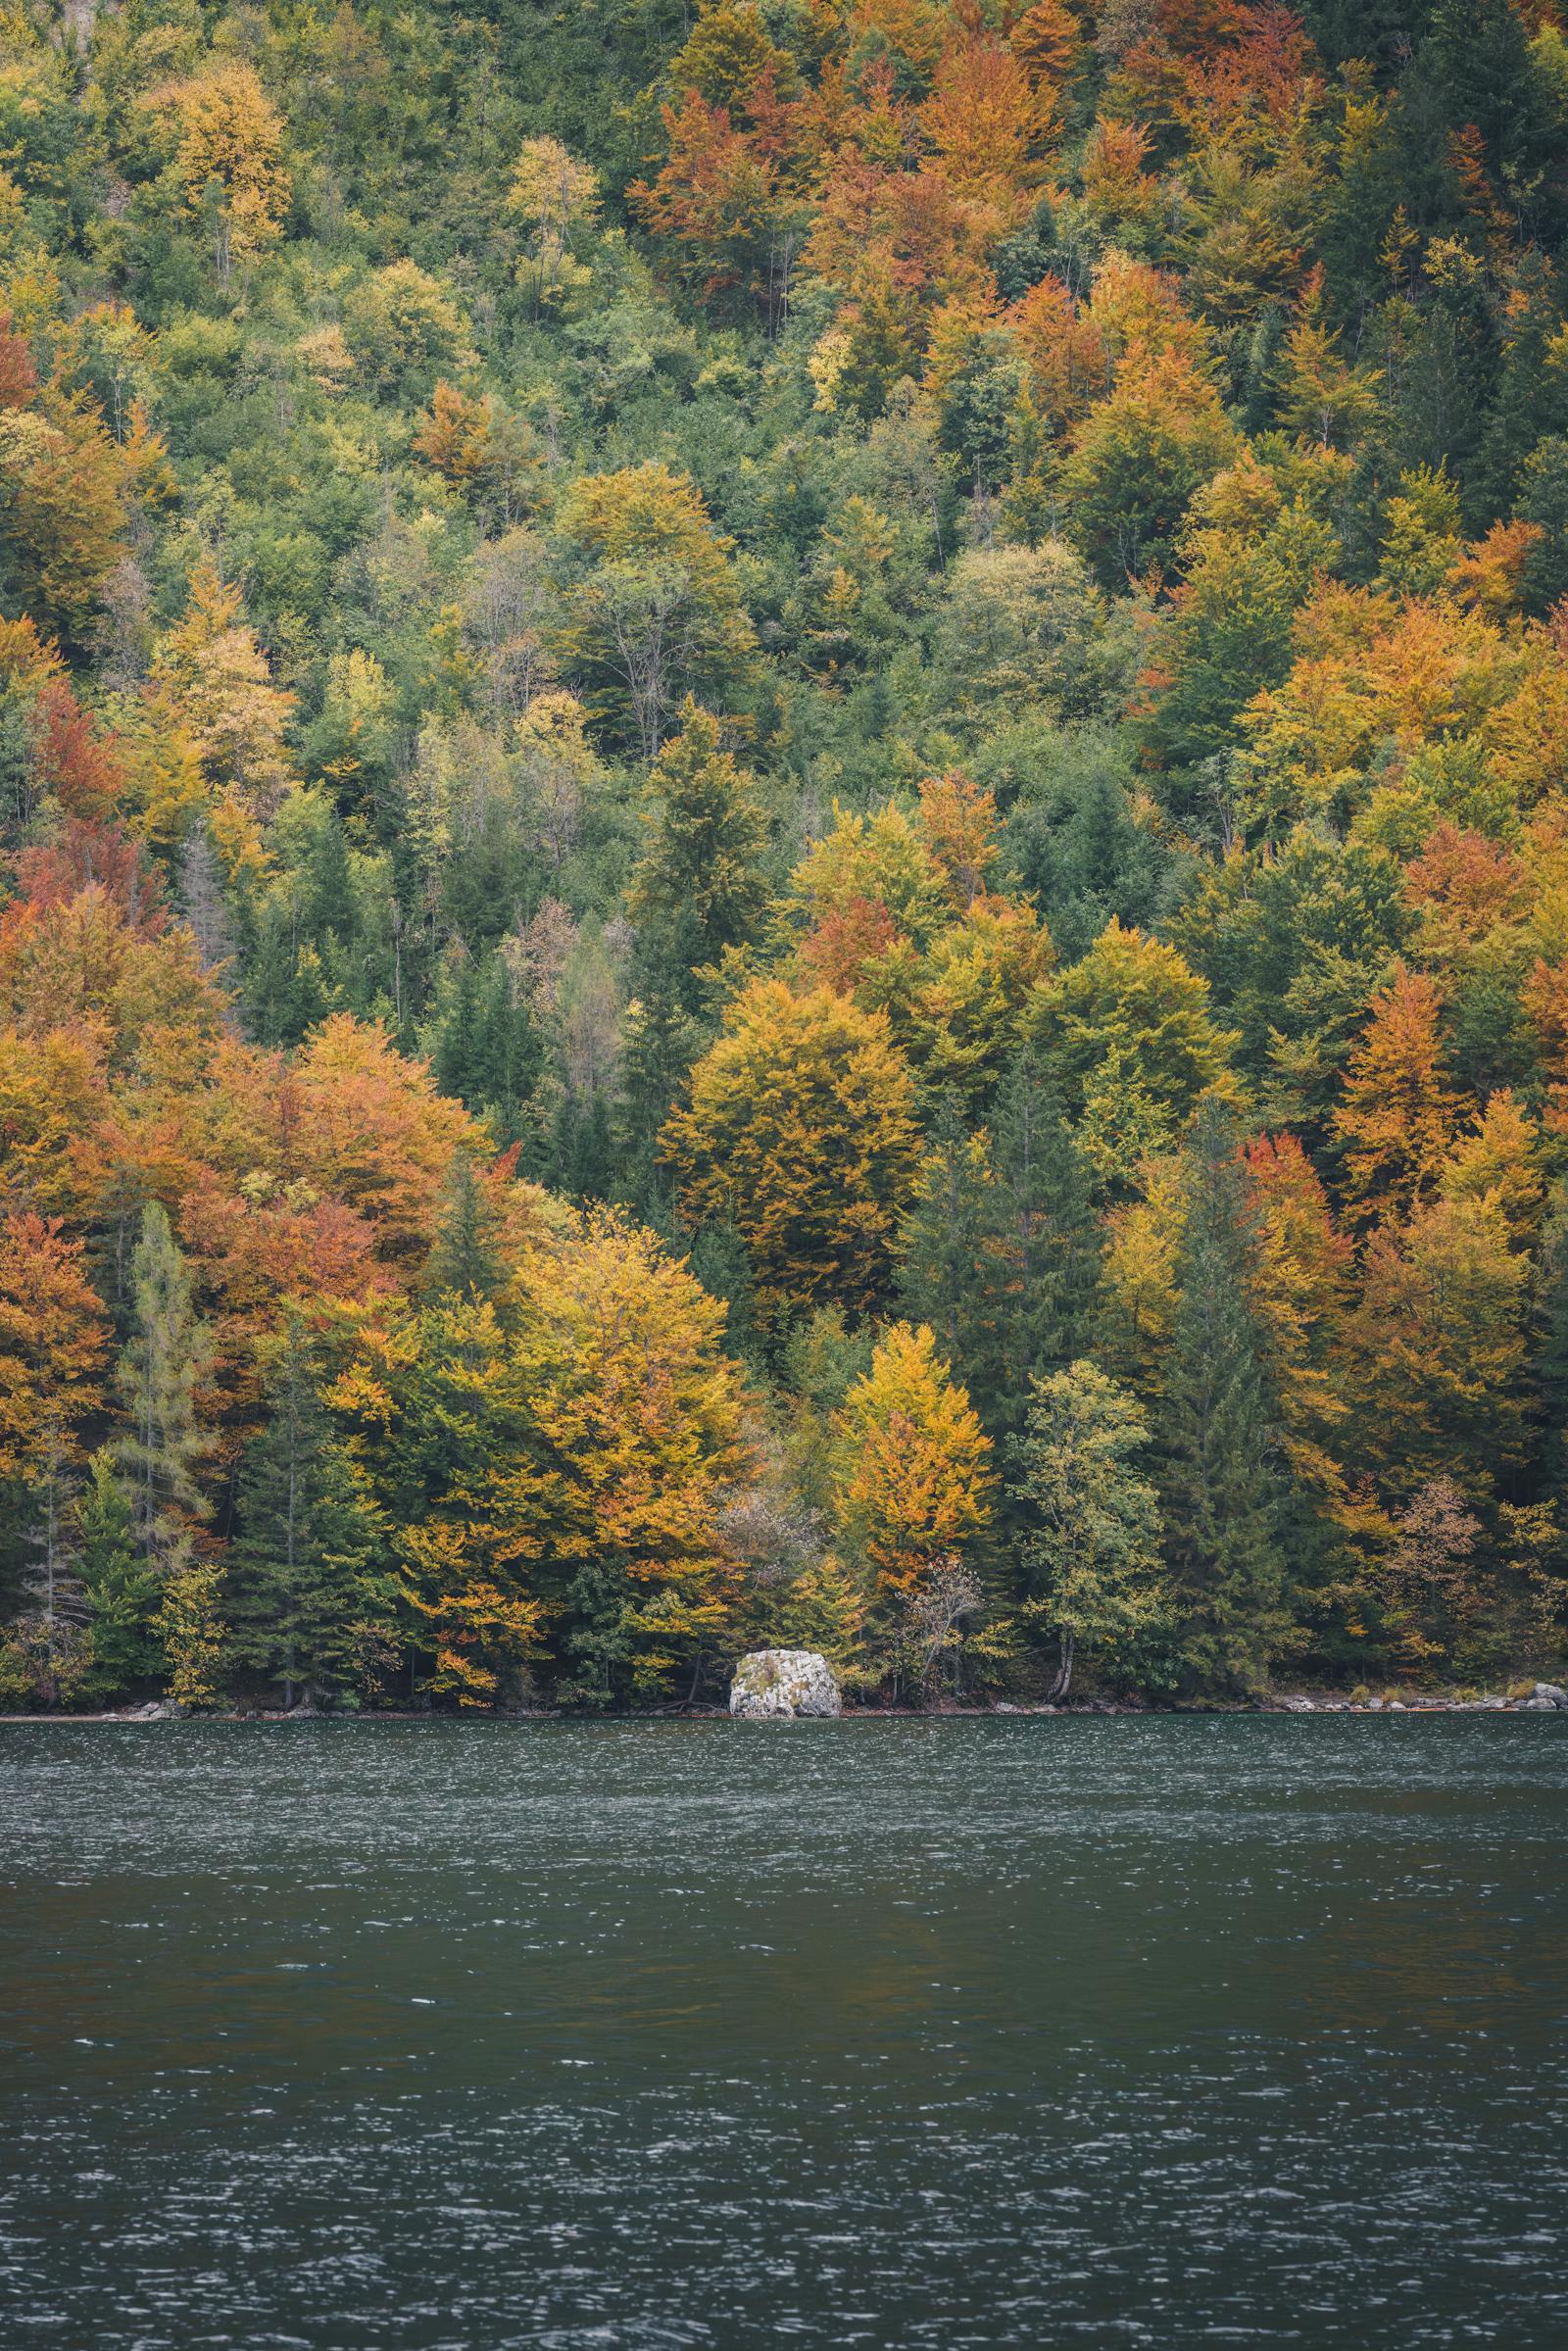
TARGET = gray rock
x,y
1537,1706
780,1683
1296,1706
1552,1691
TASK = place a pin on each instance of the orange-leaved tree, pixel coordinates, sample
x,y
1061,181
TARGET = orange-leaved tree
x,y
1395,1120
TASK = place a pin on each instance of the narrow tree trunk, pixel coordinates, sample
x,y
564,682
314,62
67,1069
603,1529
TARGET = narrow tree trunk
x,y
1063,1682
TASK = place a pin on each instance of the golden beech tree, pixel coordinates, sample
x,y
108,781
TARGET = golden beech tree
x,y
653,612
886,859
211,677
961,1017
1438,1346
639,1434
359,1120
911,1464
65,485
1544,998
54,1110
229,155
80,966
555,201
1049,40
800,1132
985,119
1127,1034
960,822
1497,1164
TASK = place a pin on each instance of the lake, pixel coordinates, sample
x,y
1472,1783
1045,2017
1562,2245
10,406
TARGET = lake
x,y
1085,2031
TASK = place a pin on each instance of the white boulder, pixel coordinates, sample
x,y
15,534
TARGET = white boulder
x,y
783,1682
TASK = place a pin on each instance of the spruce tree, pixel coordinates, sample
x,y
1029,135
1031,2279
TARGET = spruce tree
x,y
163,1448
1551,1366
1221,1490
701,877
1045,1232
483,1046
945,1278
300,1583
122,1591
999,1250
462,1257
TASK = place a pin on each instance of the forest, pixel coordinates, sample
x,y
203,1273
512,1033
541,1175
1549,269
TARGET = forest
x,y
784,848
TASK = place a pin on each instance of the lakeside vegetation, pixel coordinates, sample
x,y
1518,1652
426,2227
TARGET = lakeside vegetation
x,y
785,846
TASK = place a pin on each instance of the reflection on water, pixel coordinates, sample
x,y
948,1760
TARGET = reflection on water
x,y
1080,2030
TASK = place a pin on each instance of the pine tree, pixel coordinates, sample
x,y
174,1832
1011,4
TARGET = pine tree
x,y
1221,1491
300,1586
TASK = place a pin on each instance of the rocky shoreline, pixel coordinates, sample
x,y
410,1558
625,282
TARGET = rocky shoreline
x,y
1541,1697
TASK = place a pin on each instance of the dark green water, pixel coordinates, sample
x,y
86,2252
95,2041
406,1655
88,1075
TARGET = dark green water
x,y
1092,2032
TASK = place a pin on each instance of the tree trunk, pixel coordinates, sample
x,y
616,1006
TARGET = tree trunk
x,y
1063,1682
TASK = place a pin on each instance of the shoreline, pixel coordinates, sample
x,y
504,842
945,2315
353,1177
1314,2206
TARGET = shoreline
x,y
1544,1698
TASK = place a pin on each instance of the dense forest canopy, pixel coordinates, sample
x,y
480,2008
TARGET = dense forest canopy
x,y
785,805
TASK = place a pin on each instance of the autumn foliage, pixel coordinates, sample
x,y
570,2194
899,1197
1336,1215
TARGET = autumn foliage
x,y
764,797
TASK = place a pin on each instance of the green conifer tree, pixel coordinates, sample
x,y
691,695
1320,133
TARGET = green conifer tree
x,y
1044,1233
162,1450
946,1276
1221,1486
122,1591
464,1257
702,876
300,1586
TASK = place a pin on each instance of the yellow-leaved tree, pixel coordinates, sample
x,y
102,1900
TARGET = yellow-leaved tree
x,y
555,201
229,158
800,1132
911,1464
638,1434
213,684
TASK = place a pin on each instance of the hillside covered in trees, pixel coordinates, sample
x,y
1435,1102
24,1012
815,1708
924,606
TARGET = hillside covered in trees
x,y
785,845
